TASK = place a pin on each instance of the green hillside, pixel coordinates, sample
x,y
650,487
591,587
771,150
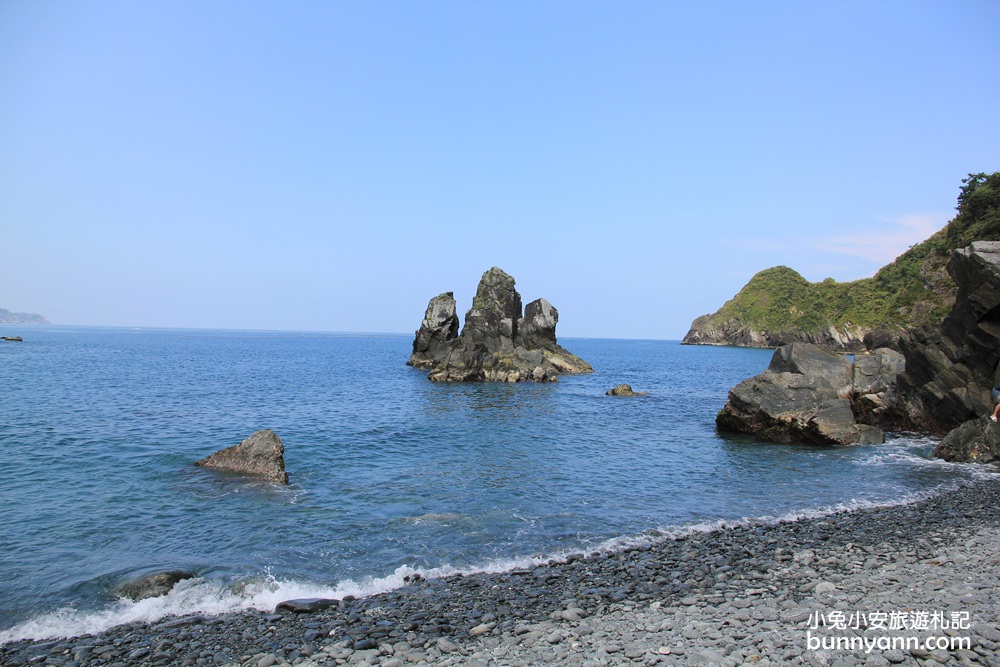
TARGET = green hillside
x,y
913,290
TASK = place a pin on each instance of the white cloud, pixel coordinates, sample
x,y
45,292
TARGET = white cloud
x,y
884,244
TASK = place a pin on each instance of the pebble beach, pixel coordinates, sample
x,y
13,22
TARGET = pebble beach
x,y
911,584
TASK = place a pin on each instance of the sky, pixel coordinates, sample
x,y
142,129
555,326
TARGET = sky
x,y
332,165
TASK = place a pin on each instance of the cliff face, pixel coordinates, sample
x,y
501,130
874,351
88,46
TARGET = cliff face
x,y
950,369
497,343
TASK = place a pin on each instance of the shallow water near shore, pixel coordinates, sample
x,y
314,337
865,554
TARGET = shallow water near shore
x,y
390,474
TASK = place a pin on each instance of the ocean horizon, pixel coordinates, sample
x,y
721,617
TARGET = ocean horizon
x,y
390,475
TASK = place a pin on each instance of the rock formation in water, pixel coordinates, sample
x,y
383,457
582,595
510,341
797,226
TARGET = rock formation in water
x,y
805,395
151,585
497,343
261,455
624,390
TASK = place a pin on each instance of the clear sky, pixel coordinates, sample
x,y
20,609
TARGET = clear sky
x,y
332,165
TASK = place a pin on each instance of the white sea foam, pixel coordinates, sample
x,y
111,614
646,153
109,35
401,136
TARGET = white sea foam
x,y
210,597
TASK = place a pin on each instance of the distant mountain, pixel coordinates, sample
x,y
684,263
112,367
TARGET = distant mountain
x,y
7,317
779,306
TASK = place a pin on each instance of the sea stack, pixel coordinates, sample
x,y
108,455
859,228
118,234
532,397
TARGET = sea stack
x,y
497,342
261,455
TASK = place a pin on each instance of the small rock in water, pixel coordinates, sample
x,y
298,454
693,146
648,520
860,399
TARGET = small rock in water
x,y
624,390
262,455
152,585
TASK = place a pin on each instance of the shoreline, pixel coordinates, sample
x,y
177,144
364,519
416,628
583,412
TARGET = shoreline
x,y
750,593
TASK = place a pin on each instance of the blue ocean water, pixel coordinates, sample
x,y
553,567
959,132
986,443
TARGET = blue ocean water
x,y
390,473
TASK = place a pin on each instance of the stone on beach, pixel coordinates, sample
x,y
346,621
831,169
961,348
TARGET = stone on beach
x,y
261,455
975,441
742,595
306,605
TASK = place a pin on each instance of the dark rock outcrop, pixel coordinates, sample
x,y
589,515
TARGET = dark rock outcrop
x,y
937,379
151,585
438,329
261,455
624,390
950,369
975,441
804,396
496,344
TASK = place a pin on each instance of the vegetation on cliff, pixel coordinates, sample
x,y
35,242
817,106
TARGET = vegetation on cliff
x,y
779,305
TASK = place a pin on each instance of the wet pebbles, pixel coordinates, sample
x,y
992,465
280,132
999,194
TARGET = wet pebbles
x,y
747,595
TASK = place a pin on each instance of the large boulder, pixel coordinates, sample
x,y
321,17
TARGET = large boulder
x,y
875,375
802,397
261,455
496,344
975,441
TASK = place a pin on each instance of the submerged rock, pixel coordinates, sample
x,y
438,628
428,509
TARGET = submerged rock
x,y
152,585
262,455
497,343
624,390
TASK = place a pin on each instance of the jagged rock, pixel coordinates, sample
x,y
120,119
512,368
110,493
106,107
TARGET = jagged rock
x,y
262,455
951,369
496,344
624,390
151,585
438,329
877,372
538,328
874,375
975,441
803,396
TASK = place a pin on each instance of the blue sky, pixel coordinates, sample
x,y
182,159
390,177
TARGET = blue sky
x,y
332,165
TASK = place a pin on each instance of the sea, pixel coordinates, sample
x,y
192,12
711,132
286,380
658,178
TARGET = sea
x,y
390,474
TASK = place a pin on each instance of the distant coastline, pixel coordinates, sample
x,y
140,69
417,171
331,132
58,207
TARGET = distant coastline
x,y
7,317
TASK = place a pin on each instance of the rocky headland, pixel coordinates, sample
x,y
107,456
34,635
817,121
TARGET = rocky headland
x,y
933,379
778,306
497,343
7,317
